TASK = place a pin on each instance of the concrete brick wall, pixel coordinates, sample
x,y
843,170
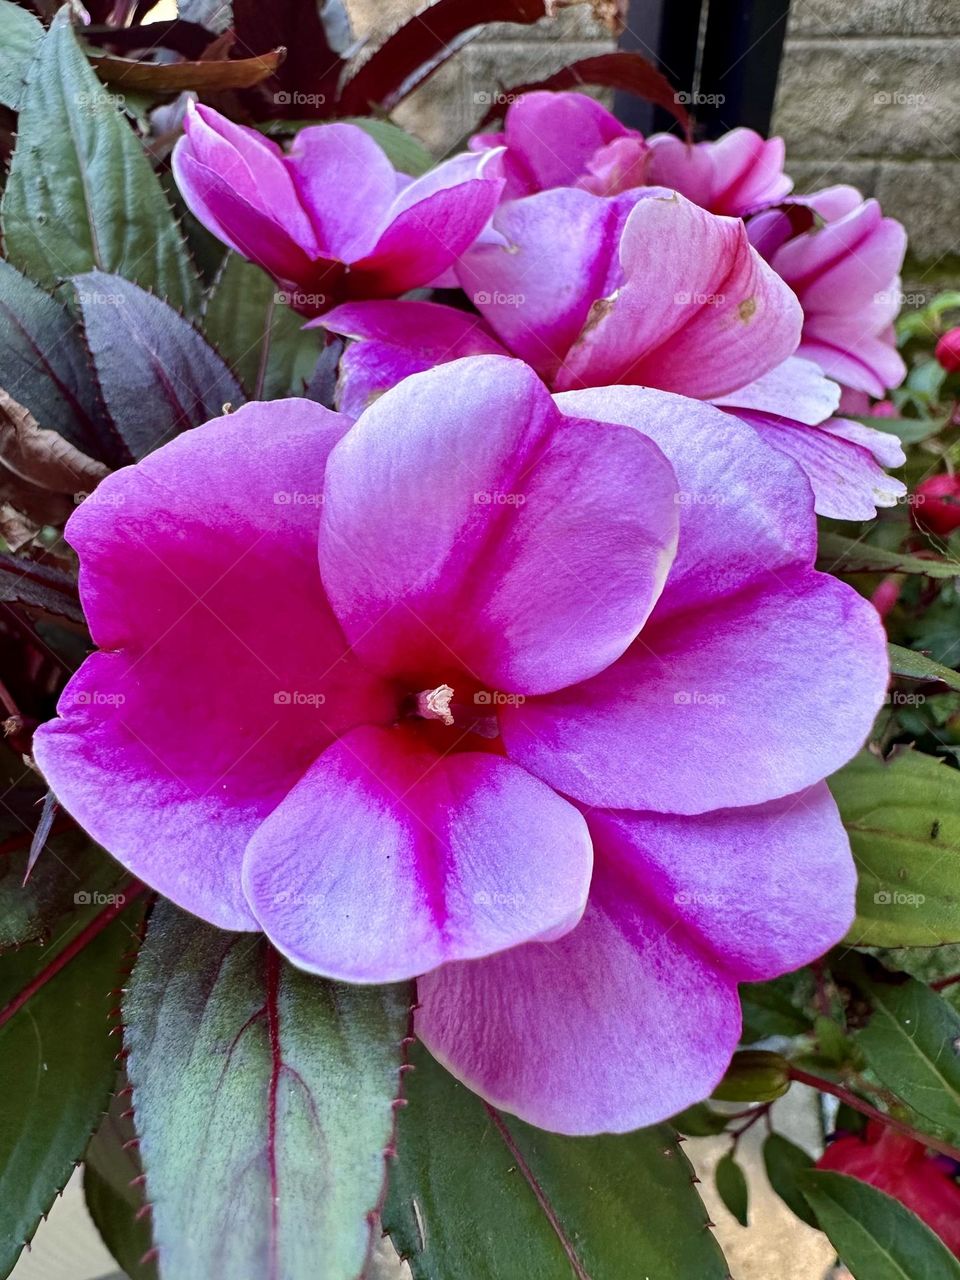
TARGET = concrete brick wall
x,y
869,94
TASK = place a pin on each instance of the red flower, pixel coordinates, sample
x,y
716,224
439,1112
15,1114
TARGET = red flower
x,y
948,350
896,1164
937,505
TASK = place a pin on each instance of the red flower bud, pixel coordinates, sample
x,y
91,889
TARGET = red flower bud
x,y
936,508
948,350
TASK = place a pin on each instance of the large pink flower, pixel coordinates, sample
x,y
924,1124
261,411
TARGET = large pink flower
x,y
842,258
401,695
644,288
333,219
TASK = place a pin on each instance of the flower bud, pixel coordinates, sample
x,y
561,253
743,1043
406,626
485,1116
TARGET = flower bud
x,y
948,350
754,1075
937,505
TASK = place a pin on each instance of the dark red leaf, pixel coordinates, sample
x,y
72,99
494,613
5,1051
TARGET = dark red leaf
x,y
630,72
188,39
39,586
305,86
412,54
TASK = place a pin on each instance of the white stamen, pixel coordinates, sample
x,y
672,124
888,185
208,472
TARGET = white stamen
x,y
434,704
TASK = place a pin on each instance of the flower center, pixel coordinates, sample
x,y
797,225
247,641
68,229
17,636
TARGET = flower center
x,y
434,704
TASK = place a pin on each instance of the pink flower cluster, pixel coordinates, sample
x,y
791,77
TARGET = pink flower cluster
x,y
515,675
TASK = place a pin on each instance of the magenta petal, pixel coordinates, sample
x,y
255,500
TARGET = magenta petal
x,y
848,481
745,706
225,672
400,338
796,389
698,312
346,183
617,1025
424,240
535,289
470,527
388,859
551,137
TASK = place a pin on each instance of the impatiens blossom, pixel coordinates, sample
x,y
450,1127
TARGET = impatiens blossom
x,y
896,1164
333,219
842,259
644,288
533,699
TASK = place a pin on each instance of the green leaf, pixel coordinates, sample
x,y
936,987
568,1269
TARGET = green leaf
x,y
20,36
81,193
784,1163
114,1194
838,554
293,1079
59,1063
478,1195
907,430
261,338
406,153
772,1009
917,666
699,1121
903,819
875,1236
732,1187
912,1042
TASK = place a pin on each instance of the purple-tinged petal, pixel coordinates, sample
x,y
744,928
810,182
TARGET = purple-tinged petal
x,y
616,1025
552,137
224,673
468,527
736,175
535,289
796,389
847,475
346,184
422,242
468,166
681,910
398,339
858,361
698,310
388,859
741,703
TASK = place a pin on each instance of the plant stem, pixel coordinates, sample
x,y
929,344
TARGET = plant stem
x,y
945,982
865,1109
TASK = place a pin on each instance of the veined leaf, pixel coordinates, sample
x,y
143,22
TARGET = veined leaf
x,y
39,587
113,1189
732,1187
839,554
903,819
292,1080
475,1194
784,1162
404,151
81,194
912,1042
917,666
212,76
874,1234
20,36
157,374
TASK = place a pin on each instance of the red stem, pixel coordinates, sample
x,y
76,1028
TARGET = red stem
x,y
85,936
945,982
865,1109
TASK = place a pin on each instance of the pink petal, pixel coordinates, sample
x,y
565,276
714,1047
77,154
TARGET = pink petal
x,y
861,362
848,481
749,172
796,389
199,580
644,988
741,703
470,531
389,859
535,289
551,137
346,183
698,311
400,338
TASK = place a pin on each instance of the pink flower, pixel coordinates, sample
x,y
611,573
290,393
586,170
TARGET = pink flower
x,y
647,289
842,259
736,175
535,662
894,1163
333,219
948,351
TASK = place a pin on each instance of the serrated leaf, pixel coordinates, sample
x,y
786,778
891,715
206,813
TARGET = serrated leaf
x,y
59,1063
732,1187
81,193
20,36
912,1043
875,1236
476,1193
294,1078
43,364
839,554
784,1162
917,666
262,339
903,819
405,152
157,374
39,587
113,1190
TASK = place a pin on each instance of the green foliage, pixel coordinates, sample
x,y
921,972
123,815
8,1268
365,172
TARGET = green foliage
x,y
732,1187
20,35
785,1163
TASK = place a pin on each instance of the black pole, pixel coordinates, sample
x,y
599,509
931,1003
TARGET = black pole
x,y
667,33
